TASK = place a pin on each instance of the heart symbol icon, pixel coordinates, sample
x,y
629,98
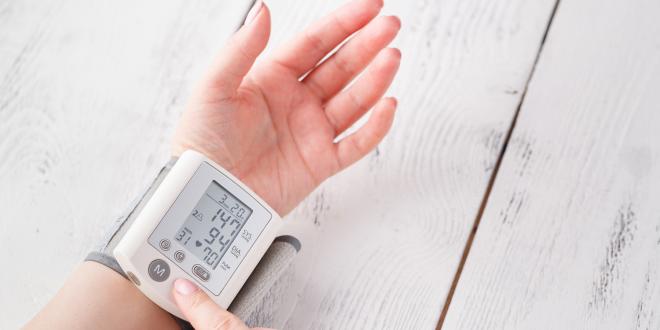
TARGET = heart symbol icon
x,y
198,243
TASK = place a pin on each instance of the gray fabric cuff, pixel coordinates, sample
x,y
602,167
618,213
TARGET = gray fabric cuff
x,y
106,260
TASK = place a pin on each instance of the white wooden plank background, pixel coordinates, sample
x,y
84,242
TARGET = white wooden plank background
x,y
393,228
91,91
89,95
570,238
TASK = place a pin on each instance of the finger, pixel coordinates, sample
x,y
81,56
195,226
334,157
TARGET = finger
x,y
357,145
351,104
201,311
306,50
239,54
338,70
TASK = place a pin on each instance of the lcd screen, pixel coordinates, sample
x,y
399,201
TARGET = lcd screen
x,y
213,224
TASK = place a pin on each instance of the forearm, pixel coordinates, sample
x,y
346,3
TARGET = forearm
x,y
95,297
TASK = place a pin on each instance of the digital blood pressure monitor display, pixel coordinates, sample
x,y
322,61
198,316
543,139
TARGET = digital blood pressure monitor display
x,y
201,223
213,224
210,227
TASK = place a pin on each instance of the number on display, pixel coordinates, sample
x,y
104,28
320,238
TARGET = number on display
x,y
198,215
183,236
214,232
210,256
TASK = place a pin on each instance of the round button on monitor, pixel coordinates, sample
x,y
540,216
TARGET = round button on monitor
x,y
165,244
179,256
159,270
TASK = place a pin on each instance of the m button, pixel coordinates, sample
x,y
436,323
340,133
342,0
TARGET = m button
x,y
159,270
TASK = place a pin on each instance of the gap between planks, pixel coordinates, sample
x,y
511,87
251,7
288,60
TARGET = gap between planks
x,y
491,181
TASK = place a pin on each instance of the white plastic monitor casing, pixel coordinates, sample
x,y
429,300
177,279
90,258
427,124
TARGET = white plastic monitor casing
x,y
134,253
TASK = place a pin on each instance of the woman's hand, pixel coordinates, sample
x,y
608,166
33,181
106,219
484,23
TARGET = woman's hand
x,y
201,311
273,124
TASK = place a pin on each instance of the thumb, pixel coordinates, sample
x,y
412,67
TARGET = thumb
x,y
201,311
239,54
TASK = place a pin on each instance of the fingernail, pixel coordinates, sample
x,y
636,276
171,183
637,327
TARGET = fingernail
x,y
394,100
256,8
184,287
397,52
397,21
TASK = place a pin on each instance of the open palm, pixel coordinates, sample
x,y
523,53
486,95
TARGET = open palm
x,y
273,124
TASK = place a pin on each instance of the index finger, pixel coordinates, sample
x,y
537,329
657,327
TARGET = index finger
x,y
306,50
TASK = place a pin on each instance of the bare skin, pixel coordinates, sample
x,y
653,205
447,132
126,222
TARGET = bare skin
x,y
275,131
273,124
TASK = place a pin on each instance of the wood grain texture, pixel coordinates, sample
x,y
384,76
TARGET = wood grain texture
x,y
89,95
570,238
388,233
90,92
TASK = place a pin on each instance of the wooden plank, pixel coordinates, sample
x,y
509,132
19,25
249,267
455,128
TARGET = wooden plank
x,y
570,238
389,232
89,95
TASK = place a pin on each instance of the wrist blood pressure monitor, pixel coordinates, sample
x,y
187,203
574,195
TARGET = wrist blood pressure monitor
x,y
201,224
